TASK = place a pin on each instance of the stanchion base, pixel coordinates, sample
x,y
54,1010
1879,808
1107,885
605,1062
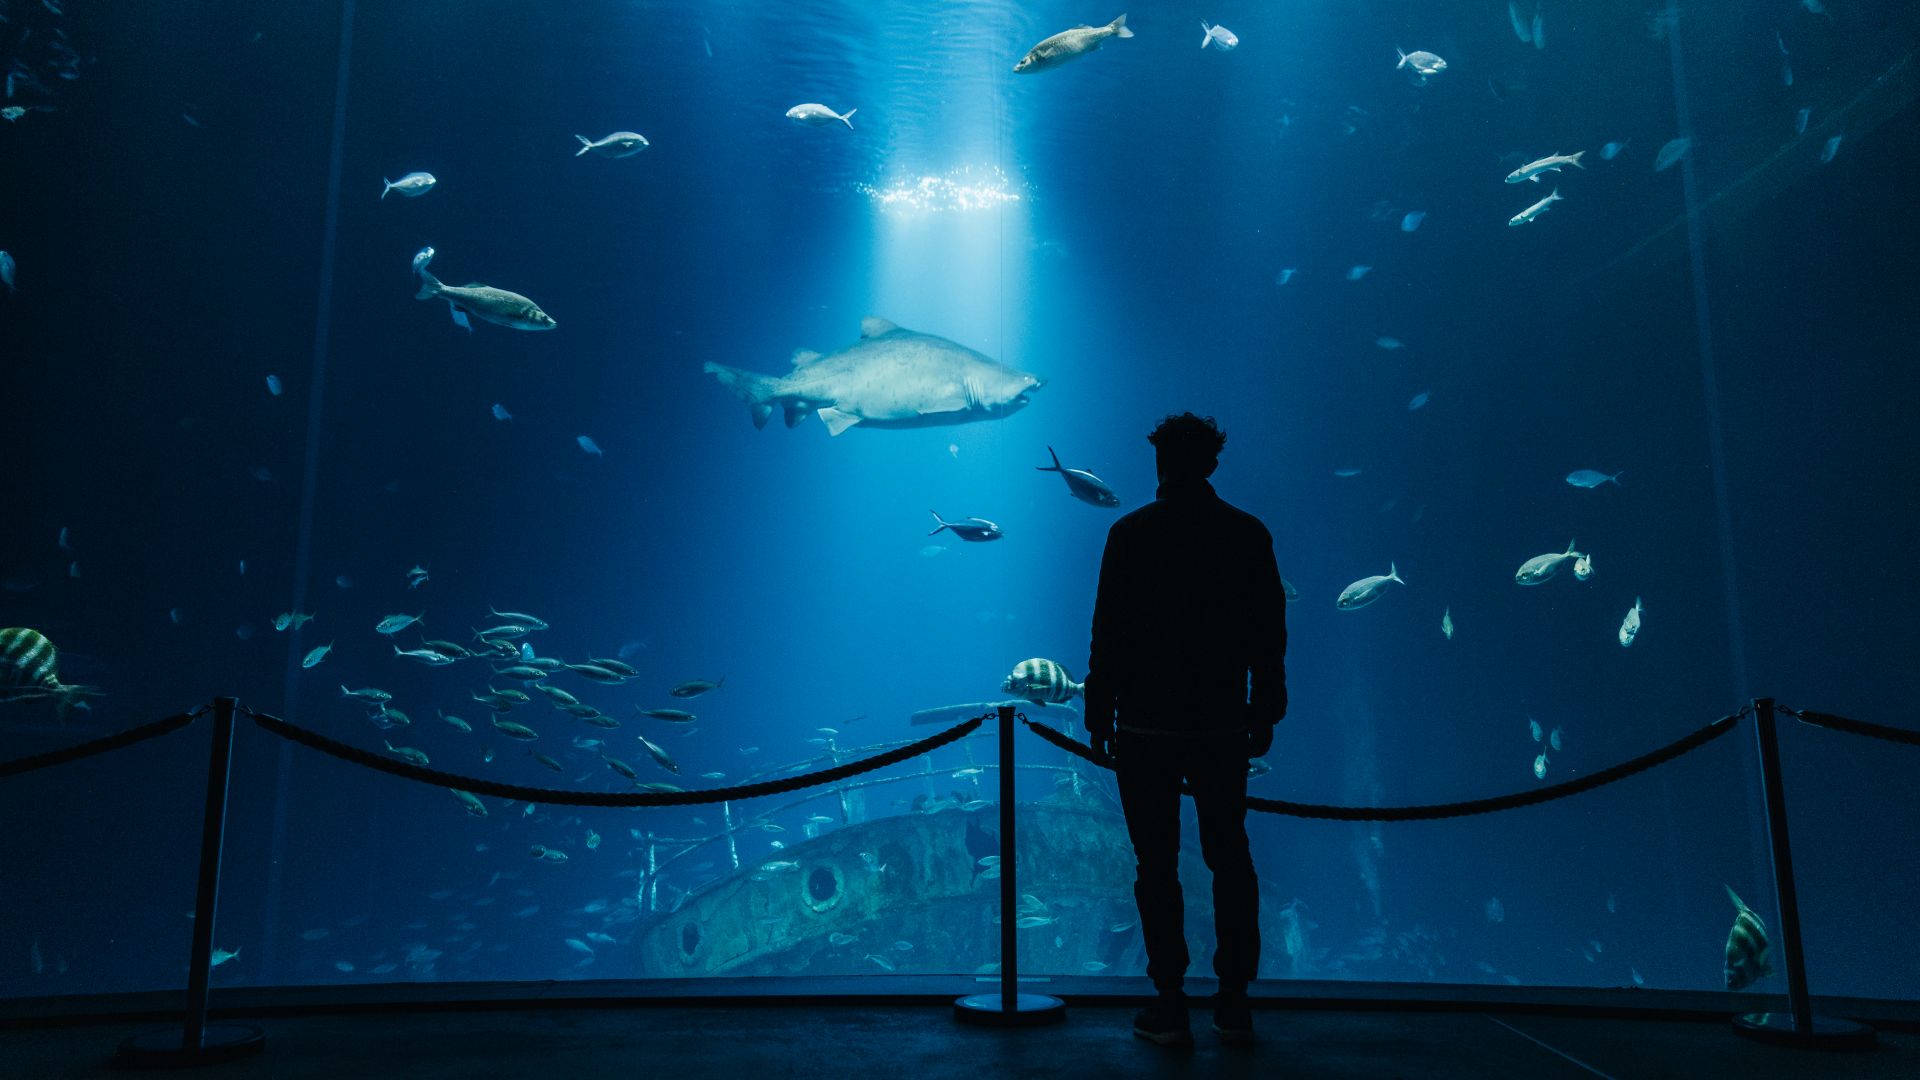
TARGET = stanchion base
x,y
1827,1033
1029,1010
166,1049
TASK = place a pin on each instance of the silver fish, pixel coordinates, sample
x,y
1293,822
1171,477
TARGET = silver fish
x,y
497,306
1630,626
393,624
1536,209
973,529
1070,45
617,145
1368,589
425,656
413,185
696,687
660,755
814,114
1551,163
1082,484
1541,568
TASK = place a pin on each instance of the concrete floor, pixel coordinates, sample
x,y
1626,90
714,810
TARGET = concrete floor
x,y
762,1042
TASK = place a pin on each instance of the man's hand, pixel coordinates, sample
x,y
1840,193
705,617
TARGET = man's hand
x,y
1259,740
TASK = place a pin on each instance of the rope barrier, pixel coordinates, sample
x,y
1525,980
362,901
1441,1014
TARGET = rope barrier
x,y
1431,812
477,786
100,746
1853,727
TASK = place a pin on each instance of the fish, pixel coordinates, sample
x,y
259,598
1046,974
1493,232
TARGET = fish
x,y
1358,271
1217,36
1042,681
407,753
884,963
1551,163
518,621
1800,120
972,530
316,655
1536,209
1830,148
1539,30
221,956
417,576
425,656
1553,739
1520,28
1081,484
1747,946
1593,478
497,306
599,720
1412,220
1285,275
1541,568
577,945
1533,727
891,378
1292,593
1418,401
1583,567
500,412
837,939
1673,151
274,386
1446,623
30,671
588,445
618,667
413,185
545,853
1425,65
617,145
393,624
513,730
659,755
593,844
696,687
12,113
455,722
597,674
814,114
1070,45
1367,589
372,695
620,767
1630,626
1612,150
448,648
671,716
1029,922
1540,766
470,801
557,695
1346,474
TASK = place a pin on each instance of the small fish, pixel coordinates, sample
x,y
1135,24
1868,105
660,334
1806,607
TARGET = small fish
x,y
221,956
1800,120
659,755
1412,220
1367,589
1542,568
549,762
1029,922
1285,275
1593,478
424,656
1540,766
620,767
972,530
814,114
1583,567
1630,626
1539,30
1786,74
780,866
1415,403
1533,727
1081,484
456,723
546,854
413,185
1553,740
884,963
1612,150
317,655
587,444
12,113
838,939
1070,45
1747,946
1346,474
1673,151
671,716
596,673
1355,273
1831,147
1551,163
1425,65
1520,28
500,412
513,730
498,306
1217,36
696,687
1293,594
393,624
519,620
1536,209
273,385
1094,966
579,946
407,753
593,844
557,695
617,145
1446,623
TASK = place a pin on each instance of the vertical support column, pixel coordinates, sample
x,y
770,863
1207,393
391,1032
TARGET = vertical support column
x,y
197,1042
733,846
1798,1026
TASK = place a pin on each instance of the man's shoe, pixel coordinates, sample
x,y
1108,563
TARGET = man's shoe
x,y
1233,1020
1164,1023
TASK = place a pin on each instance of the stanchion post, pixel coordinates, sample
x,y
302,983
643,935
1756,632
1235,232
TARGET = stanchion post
x,y
1009,1007
198,1043
1798,1026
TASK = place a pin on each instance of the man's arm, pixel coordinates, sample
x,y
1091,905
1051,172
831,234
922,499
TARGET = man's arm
x,y
1104,659
1267,651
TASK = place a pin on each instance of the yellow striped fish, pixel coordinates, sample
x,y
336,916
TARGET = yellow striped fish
x,y
1042,681
29,670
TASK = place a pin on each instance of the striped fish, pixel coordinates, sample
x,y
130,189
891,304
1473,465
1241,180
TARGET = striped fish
x,y
1042,682
30,671
1747,946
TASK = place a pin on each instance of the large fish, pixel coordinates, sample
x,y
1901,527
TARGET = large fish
x,y
1070,45
497,306
1083,485
890,378
30,671
1043,682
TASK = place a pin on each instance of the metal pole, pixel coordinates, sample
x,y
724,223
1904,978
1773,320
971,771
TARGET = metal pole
x,y
197,1043
1799,1026
733,846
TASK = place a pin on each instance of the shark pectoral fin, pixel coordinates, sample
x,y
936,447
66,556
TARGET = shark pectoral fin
x,y
873,326
761,411
836,420
796,412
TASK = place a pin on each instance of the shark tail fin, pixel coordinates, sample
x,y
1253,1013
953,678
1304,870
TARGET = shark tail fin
x,y
1119,27
758,391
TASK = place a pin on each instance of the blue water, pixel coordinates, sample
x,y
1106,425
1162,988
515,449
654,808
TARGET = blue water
x,y
177,242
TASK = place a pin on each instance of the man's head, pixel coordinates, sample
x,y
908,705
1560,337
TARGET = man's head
x,y
1187,447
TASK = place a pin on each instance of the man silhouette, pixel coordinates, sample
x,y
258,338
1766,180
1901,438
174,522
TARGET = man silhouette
x,y
1186,679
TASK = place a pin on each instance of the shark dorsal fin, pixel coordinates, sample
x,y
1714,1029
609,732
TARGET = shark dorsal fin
x,y
803,357
873,326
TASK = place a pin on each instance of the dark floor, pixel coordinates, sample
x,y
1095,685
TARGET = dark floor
x,y
767,1041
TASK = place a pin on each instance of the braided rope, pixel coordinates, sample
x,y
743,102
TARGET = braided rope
x,y
1431,812
475,785
1854,727
100,746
